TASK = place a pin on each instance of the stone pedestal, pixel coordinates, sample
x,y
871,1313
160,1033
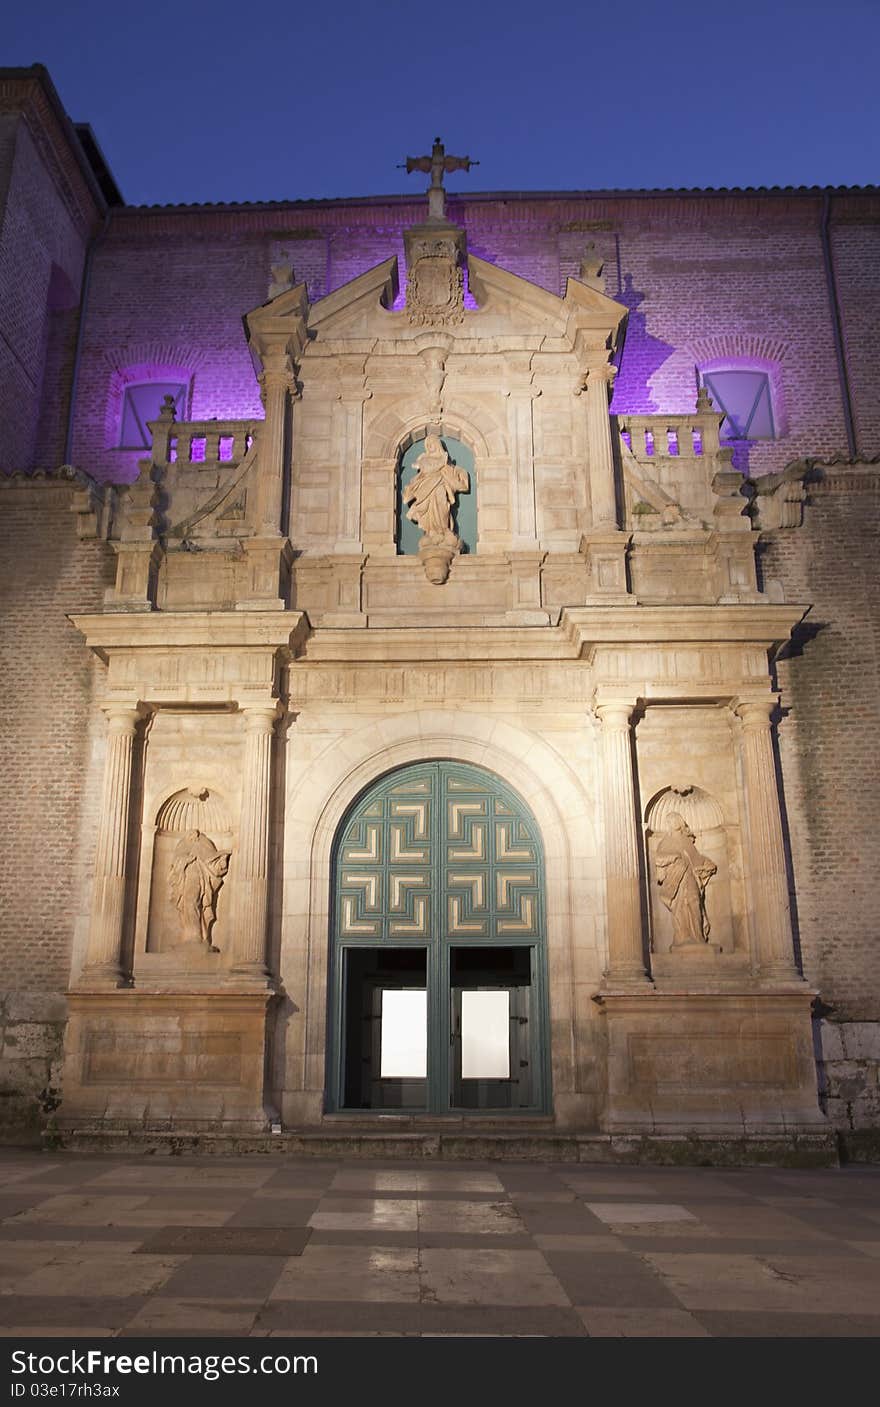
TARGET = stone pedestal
x,y
726,1063
188,1061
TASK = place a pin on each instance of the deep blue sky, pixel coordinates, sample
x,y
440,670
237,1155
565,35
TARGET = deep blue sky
x,y
199,100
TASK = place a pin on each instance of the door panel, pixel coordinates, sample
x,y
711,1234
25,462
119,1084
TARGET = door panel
x,y
444,859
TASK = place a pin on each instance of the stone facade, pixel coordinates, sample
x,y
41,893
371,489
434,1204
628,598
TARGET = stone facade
x,y
654,640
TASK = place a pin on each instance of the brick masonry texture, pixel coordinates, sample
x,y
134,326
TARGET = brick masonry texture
x,y
46,726
829,752
733,281
41,247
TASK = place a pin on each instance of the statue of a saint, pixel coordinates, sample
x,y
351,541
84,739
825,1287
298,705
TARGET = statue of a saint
x,y
431,494
197,871
683,874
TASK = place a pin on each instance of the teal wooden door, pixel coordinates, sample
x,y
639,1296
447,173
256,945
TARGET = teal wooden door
x,y
438,887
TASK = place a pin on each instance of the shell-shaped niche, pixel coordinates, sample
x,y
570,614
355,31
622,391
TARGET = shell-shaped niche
x,y
698,810
703,816
192,808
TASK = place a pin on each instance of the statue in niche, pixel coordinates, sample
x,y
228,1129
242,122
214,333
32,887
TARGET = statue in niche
x,y
197,872
431,495
683,874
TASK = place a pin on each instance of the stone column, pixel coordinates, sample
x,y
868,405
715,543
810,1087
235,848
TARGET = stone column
x,y
104,952
766,853
623,884
252,860
276,380
603,499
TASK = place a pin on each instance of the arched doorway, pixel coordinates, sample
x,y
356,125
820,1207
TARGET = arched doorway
x,y
438,966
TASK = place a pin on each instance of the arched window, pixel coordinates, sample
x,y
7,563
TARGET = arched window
x,y
745,398
141,403
463,511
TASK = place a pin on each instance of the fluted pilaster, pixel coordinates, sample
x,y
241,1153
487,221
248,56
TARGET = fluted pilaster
x,y
252,860
626,954
104,953
603,498
277,380
767,874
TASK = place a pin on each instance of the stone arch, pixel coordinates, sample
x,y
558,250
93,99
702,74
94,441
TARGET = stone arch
x,y
398,426
563,811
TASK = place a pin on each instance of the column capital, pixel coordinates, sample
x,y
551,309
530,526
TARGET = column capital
x,y
123,716
600,371
260,717
278,368
755,712
615,713
600,374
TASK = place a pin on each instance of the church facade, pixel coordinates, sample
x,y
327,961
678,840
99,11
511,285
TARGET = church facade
x,y
441,666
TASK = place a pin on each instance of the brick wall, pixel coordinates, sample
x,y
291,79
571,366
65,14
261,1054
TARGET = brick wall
x,y
39,238
856,246
830,755
735,279
47,785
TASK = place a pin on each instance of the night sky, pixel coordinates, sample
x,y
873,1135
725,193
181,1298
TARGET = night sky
x,y
212,100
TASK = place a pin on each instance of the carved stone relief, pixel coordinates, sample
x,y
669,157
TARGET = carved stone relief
x,y
191,849
435,284
682,874
689,872
197,872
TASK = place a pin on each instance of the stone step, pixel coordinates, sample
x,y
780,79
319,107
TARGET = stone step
x,y
808,1150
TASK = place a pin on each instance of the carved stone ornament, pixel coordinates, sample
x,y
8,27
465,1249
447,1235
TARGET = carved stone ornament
x,y
431,495
197,872
683,874
283,277
591,268
435,284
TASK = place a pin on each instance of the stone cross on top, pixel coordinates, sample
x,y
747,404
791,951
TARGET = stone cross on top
x,y
438,164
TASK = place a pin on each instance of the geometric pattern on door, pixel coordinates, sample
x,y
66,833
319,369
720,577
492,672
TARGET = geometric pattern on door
x,y
439,851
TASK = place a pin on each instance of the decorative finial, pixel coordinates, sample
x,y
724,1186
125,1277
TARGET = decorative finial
x,y
704,402
283,276
437,165
592,265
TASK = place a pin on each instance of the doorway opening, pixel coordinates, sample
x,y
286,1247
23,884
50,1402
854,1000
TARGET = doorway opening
x,y
438,963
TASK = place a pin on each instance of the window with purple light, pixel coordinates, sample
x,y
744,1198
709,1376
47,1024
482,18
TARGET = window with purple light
x,y
744,399
142,403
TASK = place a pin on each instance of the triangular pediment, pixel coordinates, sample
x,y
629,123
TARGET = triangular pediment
x,y
371,293
508,306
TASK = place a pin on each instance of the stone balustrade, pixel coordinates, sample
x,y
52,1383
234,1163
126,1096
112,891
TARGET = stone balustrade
x,y
670,464
200,441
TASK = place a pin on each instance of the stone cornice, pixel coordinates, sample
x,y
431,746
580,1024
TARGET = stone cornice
x,y
580,631
169,630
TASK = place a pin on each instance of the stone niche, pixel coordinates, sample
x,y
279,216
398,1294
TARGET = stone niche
x,y
687,770
704,818
192,809
191,784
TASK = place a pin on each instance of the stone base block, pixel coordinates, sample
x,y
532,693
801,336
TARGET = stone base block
x,y
165,1060
720,1062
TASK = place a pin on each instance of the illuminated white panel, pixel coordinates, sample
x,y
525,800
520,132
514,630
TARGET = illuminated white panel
x,y
404,1053
485,1035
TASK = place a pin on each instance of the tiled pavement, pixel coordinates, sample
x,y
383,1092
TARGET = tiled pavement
x,y
94,1246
